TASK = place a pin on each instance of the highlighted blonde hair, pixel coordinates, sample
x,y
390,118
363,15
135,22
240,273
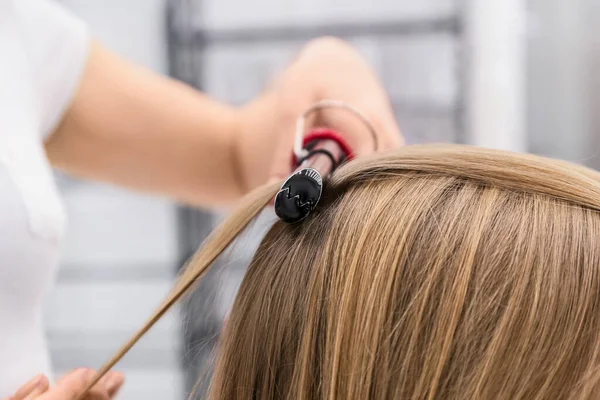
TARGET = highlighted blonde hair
x,y
434,272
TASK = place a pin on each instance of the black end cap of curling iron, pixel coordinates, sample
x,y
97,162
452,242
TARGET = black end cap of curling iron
x,y
299,195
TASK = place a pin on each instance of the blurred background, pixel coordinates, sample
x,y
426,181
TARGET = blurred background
x,y
512,74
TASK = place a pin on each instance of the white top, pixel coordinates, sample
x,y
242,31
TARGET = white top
x,y
43,50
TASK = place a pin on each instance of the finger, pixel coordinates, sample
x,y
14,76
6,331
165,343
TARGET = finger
x,y
27,388
112,383
75,372
70,386
39,389
106,388
96,393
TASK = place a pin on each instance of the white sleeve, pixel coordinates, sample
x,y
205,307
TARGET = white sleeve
x,y
57,45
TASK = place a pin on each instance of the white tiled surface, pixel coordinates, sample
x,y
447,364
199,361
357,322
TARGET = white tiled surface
x,y
260,13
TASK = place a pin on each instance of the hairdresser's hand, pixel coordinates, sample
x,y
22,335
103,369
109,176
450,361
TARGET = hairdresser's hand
x,y
325,69
70,387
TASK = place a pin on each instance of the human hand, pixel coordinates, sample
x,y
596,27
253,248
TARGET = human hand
x,y
70,387
326,68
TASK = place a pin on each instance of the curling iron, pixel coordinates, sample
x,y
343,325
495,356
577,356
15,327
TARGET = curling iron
x,y
315,157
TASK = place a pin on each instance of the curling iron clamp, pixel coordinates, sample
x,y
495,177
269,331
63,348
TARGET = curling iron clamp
x,y
316,155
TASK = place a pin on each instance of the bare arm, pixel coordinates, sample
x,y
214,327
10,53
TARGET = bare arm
x,y
134,128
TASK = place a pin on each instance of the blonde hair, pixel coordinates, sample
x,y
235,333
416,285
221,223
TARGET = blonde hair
x,y
431,272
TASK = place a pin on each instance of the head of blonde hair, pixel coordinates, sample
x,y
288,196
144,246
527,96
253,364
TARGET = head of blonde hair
x,y
434,272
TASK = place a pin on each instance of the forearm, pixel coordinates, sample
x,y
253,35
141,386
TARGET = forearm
x,y
131,127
